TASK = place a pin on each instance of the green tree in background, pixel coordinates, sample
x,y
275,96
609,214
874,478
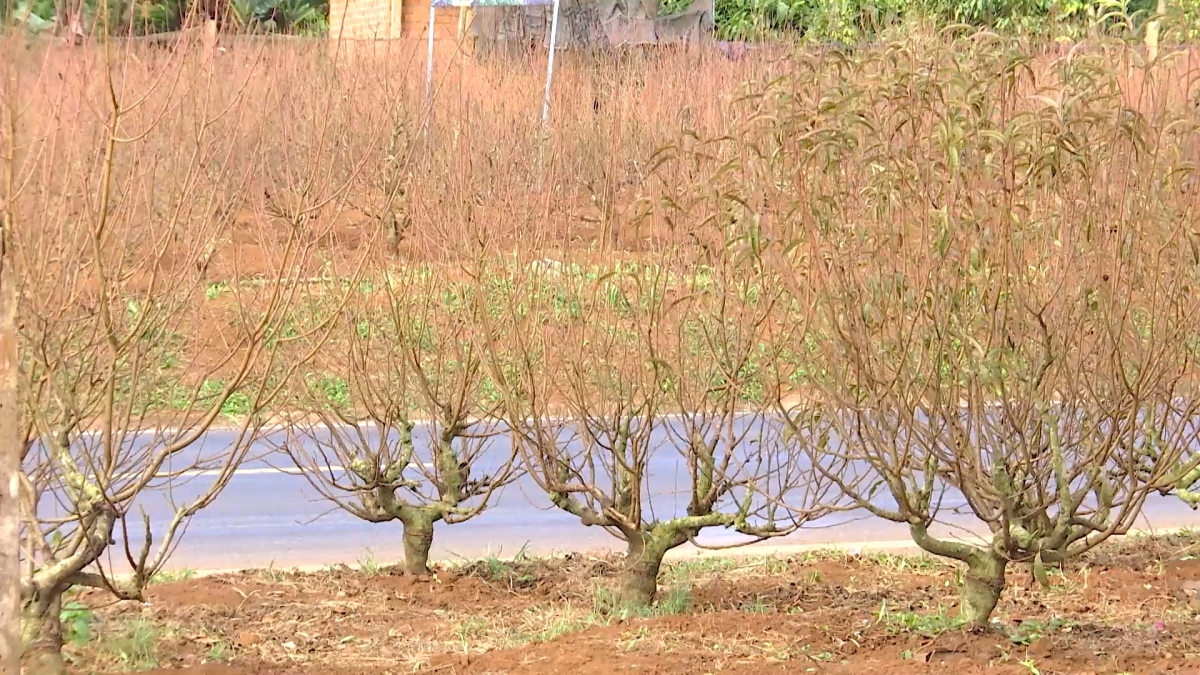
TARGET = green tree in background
x,y
146,17
848,21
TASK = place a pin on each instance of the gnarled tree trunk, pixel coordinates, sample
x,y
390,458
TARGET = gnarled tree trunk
x,y
41,631
418,539
981,588
983,582
639,576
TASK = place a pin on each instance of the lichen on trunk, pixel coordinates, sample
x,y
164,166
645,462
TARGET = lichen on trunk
x,y
418,538
983,582
639,575
41,635
981,588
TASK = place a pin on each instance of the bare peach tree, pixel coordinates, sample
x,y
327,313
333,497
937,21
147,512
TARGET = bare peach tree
x,y
156,295
399,425
635,398
1005,289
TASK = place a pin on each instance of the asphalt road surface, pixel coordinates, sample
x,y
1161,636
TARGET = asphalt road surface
x,y
270,516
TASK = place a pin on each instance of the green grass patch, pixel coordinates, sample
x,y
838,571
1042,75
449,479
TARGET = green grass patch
x,y
169,576
120,646
929,625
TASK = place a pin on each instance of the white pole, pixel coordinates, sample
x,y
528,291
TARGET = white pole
x,y
550,63
429,73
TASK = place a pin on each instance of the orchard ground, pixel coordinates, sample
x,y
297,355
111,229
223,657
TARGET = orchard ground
x,y
1129,606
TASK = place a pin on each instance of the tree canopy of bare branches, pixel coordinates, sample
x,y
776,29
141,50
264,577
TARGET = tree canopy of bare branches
x,y
1002,328
150,348
398,425
614,382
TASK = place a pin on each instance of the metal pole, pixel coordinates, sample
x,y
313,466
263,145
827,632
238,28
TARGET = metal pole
x,y
429,73
550,63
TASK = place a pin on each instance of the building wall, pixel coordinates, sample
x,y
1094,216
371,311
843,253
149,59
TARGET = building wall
x,y
593,23
392,20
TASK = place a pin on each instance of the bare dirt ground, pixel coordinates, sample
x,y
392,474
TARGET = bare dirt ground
x,y
1129,607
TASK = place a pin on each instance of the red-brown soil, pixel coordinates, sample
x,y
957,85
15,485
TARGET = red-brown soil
x,y
1130,607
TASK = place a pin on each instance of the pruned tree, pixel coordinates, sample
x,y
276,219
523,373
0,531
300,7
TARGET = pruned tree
x,y
142,326
401,427
1004,328
623,390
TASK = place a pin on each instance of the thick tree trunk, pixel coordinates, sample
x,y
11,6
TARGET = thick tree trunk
x,y
42,633
418,539
981,589
10,465
639,577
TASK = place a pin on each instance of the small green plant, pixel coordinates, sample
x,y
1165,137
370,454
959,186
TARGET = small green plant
x,y
132,645
368,563
1031,666
472,628
1029,631
334,390
238,403
77,620
491,393
169,576
219,652
215,290
497,568
272,574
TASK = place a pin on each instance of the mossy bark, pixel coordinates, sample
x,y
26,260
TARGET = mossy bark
x,y
981,588
983,582
41,634
639,576
418,539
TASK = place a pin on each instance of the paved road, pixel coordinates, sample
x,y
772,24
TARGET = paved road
x,y
270,517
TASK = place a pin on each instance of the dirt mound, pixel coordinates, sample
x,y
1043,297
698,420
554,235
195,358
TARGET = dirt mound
x,y
219,593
